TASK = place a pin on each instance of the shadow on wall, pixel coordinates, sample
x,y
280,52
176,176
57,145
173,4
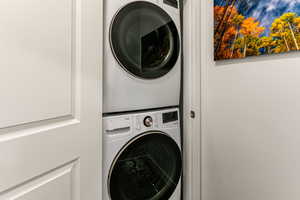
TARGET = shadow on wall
x,y
289,55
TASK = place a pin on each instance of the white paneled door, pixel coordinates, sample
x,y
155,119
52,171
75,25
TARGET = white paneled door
x,y
50,97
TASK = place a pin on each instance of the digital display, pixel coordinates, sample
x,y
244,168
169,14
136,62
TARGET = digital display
x,y
172,3
170,117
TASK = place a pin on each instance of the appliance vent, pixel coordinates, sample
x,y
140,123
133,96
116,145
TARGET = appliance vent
x,y
173,3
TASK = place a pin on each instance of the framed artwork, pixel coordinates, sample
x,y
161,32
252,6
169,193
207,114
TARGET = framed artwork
x,y
244,28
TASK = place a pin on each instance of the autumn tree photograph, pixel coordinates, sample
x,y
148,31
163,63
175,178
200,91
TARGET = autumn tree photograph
x,y
244,28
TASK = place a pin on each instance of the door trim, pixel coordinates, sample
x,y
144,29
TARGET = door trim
x,y
192,99
101,95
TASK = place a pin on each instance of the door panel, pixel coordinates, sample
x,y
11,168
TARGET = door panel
x,y
37,60
50,84
26,156
60,183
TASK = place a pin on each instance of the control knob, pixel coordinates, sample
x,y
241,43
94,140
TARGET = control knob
x,y
148,121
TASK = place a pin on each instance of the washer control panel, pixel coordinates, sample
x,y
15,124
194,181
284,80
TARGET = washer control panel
x,y
155,120
129,123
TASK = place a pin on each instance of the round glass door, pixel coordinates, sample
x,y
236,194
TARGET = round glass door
x,y
147,168
144,40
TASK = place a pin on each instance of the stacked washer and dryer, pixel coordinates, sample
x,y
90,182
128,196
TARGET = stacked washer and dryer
x,y
141,123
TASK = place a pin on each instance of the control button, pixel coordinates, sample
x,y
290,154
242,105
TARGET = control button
x,y
138,124
148,121
156,121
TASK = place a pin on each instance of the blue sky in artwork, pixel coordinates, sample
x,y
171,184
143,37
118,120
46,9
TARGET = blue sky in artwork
x,y
265,11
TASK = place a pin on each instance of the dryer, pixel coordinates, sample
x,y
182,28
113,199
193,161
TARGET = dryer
x,y
142,156
142,63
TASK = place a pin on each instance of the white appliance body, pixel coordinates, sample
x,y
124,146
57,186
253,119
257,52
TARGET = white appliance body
x,y
126,92
120,130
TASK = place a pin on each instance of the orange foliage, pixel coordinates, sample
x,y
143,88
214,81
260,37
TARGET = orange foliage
x,y
237,37
218,13
226,50
250,27
224,17
225,30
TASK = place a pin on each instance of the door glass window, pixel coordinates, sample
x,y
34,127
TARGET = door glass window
x,y
144,40
147,168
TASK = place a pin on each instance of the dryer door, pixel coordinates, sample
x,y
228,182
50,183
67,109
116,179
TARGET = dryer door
x,y
144,40
148,167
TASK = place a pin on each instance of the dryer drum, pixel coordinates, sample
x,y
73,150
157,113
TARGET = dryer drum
x,y
144,40
148,167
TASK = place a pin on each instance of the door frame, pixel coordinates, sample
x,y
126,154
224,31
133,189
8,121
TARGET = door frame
x,y
193,93
101,92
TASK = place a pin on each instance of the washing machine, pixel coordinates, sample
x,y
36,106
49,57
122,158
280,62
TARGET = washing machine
x,y
142,157
142,62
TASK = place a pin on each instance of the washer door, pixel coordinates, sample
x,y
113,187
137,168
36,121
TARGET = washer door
x,y
147,168
144,40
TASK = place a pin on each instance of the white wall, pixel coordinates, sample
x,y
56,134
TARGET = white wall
x,y
251,124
